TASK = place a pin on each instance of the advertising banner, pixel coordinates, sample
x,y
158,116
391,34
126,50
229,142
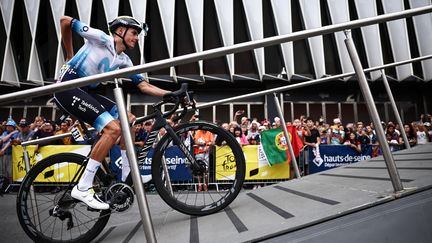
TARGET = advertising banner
x,y
174,158
331,156
257,168
61,173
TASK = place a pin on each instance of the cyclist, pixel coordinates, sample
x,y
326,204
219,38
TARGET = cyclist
x,y
100,53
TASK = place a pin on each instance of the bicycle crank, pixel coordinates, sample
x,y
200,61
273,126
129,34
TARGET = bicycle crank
x,y
120,197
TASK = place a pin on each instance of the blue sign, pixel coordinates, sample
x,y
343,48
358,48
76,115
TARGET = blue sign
x,y
174,158
331,156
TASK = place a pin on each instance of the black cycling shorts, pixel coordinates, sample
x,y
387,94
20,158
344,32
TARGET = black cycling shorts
x,y
93,109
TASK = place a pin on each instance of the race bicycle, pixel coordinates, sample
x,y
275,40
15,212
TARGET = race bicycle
x,y
48,213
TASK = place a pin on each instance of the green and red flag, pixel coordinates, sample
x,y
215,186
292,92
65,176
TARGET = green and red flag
x,y
275,147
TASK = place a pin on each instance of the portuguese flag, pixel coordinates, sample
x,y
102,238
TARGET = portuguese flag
x,y
275,146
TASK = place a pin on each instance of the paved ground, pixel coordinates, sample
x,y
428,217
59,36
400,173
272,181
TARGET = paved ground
x,y
274,211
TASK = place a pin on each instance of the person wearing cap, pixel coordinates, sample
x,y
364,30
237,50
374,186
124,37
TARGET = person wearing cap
x,y
336,132
25,133
6,149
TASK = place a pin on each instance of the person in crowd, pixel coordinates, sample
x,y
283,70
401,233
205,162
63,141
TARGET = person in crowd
x,y
422,135
428,128
324,137
336,134
253,135
353,142
359,128
363,137
391,135
225,126
140,135
25,133
37,123
411,135
237,115
277,122
232,126
46,130
240,137
312,138
299,128
371,134
6,139
203,141
64,128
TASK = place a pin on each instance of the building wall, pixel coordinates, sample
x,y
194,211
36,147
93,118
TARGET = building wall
x,y
31,52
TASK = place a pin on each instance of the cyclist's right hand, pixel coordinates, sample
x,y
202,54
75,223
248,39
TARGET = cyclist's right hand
x,y
170,98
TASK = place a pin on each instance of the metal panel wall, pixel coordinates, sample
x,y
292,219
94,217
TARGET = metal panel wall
x,y
223,13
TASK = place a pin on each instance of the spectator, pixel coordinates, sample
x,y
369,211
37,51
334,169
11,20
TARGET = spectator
x,y
277,122
240,137
225,126
140,136
363,137
429,130
253,135
237,115
64,128
324,136
299,128
6,139
353,142
26,133
38,122
232,126
411,135
422,136
203,142
46,130
336,134
371,134
312,135
391,134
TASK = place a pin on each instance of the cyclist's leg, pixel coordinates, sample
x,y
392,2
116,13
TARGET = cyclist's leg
x,y
112,108
86,108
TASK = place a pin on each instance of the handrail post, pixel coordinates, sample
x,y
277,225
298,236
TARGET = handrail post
x,y
395,110
373,112
288,140
136,176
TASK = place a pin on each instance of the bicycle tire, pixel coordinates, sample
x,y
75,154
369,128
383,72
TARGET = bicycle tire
x,y
182,195
27,214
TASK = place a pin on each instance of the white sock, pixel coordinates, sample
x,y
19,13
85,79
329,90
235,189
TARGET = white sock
x,y
87,179
125,165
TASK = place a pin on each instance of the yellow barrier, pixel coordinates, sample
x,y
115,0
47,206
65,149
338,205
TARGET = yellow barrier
x,y
60,173
257,168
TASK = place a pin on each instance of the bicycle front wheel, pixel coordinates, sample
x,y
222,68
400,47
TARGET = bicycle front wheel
x,y
198,191
45,208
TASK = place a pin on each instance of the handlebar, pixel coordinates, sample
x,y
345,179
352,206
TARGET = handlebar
x,y
180,98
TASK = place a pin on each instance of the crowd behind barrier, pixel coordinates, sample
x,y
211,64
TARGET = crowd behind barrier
x,y
358,139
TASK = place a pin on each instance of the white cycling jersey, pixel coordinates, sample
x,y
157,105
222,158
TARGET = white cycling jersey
x,y
98,54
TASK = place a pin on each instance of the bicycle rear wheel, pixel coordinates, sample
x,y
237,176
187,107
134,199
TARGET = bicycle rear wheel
x,y
199,192
45,209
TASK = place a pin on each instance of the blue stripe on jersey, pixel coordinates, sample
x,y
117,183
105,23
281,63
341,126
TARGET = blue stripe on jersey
x,y
102,120
137,78
114,112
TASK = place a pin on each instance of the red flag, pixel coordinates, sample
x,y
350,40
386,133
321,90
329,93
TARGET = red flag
x,y
296,142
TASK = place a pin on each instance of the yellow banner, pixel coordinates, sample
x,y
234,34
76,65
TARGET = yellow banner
x,y
59,174
256,168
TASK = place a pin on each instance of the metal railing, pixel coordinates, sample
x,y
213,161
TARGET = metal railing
x,y
146,219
